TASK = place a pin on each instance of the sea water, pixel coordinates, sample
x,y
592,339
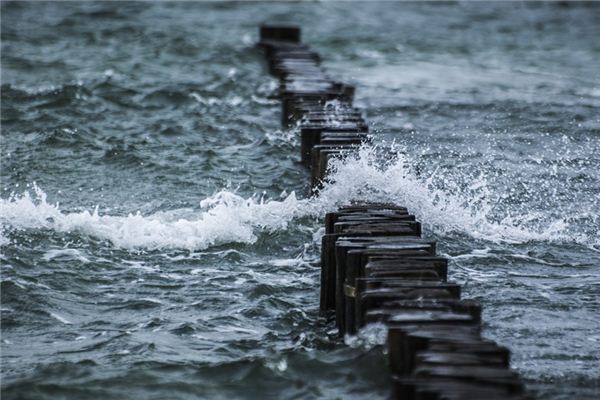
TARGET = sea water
x,y
158,236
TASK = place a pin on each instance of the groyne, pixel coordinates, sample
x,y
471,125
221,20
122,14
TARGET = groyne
x,y
375,265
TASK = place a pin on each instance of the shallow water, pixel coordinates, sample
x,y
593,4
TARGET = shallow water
x,y
157,237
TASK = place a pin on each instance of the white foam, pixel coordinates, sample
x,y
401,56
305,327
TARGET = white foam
x,y
227,217
61,319
371,335
70,254
4,241
469,213
216,101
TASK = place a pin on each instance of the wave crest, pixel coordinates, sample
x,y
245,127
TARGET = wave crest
x,y
228,217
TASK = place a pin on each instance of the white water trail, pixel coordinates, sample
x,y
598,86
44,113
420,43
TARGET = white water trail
x,y
227,217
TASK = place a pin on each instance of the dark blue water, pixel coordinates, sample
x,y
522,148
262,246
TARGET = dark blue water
x,y
158,239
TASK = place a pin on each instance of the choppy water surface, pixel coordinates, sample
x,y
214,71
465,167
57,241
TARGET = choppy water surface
x,y
157,236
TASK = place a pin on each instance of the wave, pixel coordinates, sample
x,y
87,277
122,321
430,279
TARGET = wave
x,y
469,210
223,218
227,217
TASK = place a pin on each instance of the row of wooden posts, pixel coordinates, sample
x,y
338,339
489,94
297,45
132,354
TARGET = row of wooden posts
x,y
375,267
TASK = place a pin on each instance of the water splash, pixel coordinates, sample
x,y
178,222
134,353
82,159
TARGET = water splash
x,y
228,217
223,218
469,210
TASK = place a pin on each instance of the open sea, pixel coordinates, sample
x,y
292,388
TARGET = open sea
x,y
158,238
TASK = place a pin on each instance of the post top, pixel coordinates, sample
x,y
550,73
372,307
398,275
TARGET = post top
x,y
283,33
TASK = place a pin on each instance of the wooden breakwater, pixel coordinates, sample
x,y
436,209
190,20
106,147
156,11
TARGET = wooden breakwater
x,y
375,266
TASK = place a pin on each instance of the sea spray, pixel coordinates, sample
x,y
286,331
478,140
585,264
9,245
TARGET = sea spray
x,y
467,210
223,218
227,217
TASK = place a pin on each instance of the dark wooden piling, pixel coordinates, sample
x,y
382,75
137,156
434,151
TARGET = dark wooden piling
x,y
375,266
280,33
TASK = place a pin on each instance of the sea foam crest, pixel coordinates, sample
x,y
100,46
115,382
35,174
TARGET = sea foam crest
x,y
228,217
469,212
224,217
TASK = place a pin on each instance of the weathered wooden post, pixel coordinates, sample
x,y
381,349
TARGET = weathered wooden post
x,y
375,267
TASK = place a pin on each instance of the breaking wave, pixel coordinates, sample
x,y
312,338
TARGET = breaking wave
x,y
228,217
